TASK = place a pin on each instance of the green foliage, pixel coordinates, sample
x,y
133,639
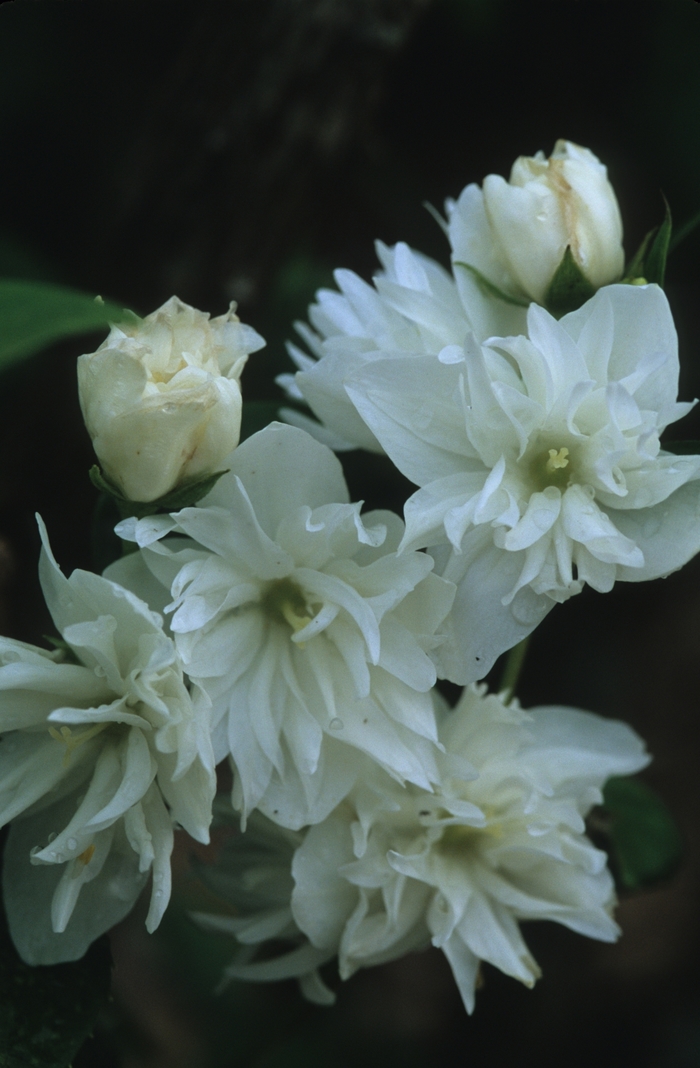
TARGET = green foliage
x,y
183,496
646,844
35,314
649,261
490,289
569,288
46,1013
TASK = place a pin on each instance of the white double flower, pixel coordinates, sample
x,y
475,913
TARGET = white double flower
x,y
539,463
310,635
101,750
500,841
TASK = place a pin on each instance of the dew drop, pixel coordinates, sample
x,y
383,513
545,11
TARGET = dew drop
x,y
159,893
53,854
72,844
52,836
336,724
59,858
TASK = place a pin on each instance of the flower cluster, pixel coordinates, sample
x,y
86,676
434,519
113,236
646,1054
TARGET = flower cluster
x,y
272,624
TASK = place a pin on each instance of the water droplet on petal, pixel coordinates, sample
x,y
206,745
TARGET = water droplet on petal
x,y
59,858
72,844
159,893
336,724
52,836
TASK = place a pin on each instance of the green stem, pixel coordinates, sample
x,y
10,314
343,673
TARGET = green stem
x,y
511,672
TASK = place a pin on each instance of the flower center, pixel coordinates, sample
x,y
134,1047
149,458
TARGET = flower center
x,y
72,739
458,839
285,601
550,466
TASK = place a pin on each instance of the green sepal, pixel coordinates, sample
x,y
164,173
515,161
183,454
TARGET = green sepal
x,y
47,1013
569,288
644,841
649,261
682,448
183,496
492,290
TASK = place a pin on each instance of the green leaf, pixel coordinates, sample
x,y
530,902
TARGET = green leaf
x,y
645,842
183,496
682,448
35,314
46,1013
491,289
569,288
684,231
635,268
655,260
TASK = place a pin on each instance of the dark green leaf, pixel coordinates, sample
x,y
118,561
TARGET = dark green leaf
x,y
46,1013
256,416
491,289
655,260
682,448
646,844
684,231
569,288
635,268
35,314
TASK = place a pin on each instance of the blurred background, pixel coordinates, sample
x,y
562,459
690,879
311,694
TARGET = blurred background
x,y
241,151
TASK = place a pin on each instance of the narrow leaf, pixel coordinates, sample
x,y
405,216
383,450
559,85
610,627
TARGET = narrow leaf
x,y
569,288
655,262
490,289
684,231
35,314
635,268
645,841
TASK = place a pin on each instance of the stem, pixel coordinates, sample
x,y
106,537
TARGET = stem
x,y
511,672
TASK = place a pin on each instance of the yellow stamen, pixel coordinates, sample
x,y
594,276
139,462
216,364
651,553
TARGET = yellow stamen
x,y
72,741
557,460
86,856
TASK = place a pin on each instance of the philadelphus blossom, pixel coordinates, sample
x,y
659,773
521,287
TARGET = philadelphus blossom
x,y
539,463
501,840
253,874
161,397
101,750
415,308
515,233
309,634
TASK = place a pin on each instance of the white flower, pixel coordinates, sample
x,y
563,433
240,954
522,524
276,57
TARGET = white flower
x,y
414,308
100,751
309,634
516,233
394,869
161,397
539,463
253,874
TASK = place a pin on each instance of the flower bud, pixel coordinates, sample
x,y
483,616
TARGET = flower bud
x,y
161,397
550,204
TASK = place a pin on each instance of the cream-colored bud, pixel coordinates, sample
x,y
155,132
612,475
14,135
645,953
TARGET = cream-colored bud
x,y
161,397
550,204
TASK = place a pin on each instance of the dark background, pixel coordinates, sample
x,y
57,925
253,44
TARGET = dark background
x,y
242,150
